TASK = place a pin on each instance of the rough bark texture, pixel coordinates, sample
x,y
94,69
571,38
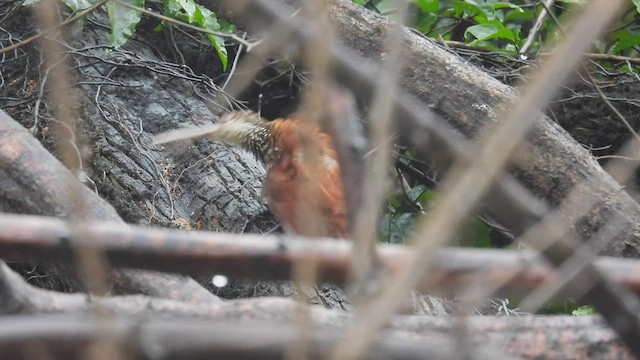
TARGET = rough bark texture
x,y
69,336
33,181
124,97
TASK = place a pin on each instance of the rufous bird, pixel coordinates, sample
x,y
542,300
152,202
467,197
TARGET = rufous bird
x,y
303,185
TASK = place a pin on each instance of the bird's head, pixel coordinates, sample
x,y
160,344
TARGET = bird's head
x,y
249,131
242,128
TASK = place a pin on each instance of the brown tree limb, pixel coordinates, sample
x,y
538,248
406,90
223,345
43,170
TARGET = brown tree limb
x,y
30,238
557,337
69,335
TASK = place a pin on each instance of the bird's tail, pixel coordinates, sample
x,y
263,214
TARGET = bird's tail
x,y
193,132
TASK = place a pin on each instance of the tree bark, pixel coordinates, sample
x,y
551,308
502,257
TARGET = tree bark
x,y
522,337
550,164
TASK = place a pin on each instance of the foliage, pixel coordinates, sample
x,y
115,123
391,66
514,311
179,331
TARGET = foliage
x,y
195,14
504,26
584,310
405,208
124,20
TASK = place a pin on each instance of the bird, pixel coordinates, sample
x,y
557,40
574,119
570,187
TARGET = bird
x,y
303,185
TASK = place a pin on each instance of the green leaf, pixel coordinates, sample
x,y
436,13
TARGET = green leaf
x,y
189,8
506,5
428,197
197,15
210,22
415,192
581,2
475,234
480,13
30,2
519,15
424,23
76,5
584,310
428,6
637,4
123,20
490,31
227,27
394,229
218,44
626,40
387,6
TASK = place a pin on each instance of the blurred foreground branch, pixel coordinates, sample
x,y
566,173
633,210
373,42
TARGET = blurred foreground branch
x,y
70,336
31,238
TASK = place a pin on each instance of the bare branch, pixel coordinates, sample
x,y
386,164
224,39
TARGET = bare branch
x,y
29,238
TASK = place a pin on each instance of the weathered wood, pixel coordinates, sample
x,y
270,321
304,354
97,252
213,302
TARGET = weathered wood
x,y
551,164
527,337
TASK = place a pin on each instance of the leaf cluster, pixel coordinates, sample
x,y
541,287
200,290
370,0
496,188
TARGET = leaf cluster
x,y
499,25
124,19
406,207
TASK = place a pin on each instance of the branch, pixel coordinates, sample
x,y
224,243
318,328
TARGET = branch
x,y
78,16
471,100
581,336
549,164
31,238
70,336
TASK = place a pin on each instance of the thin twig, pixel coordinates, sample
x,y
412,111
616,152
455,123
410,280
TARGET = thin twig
x,y
535,30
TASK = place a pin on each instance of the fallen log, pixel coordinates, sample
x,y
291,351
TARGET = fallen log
x,y
522,337
71,335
